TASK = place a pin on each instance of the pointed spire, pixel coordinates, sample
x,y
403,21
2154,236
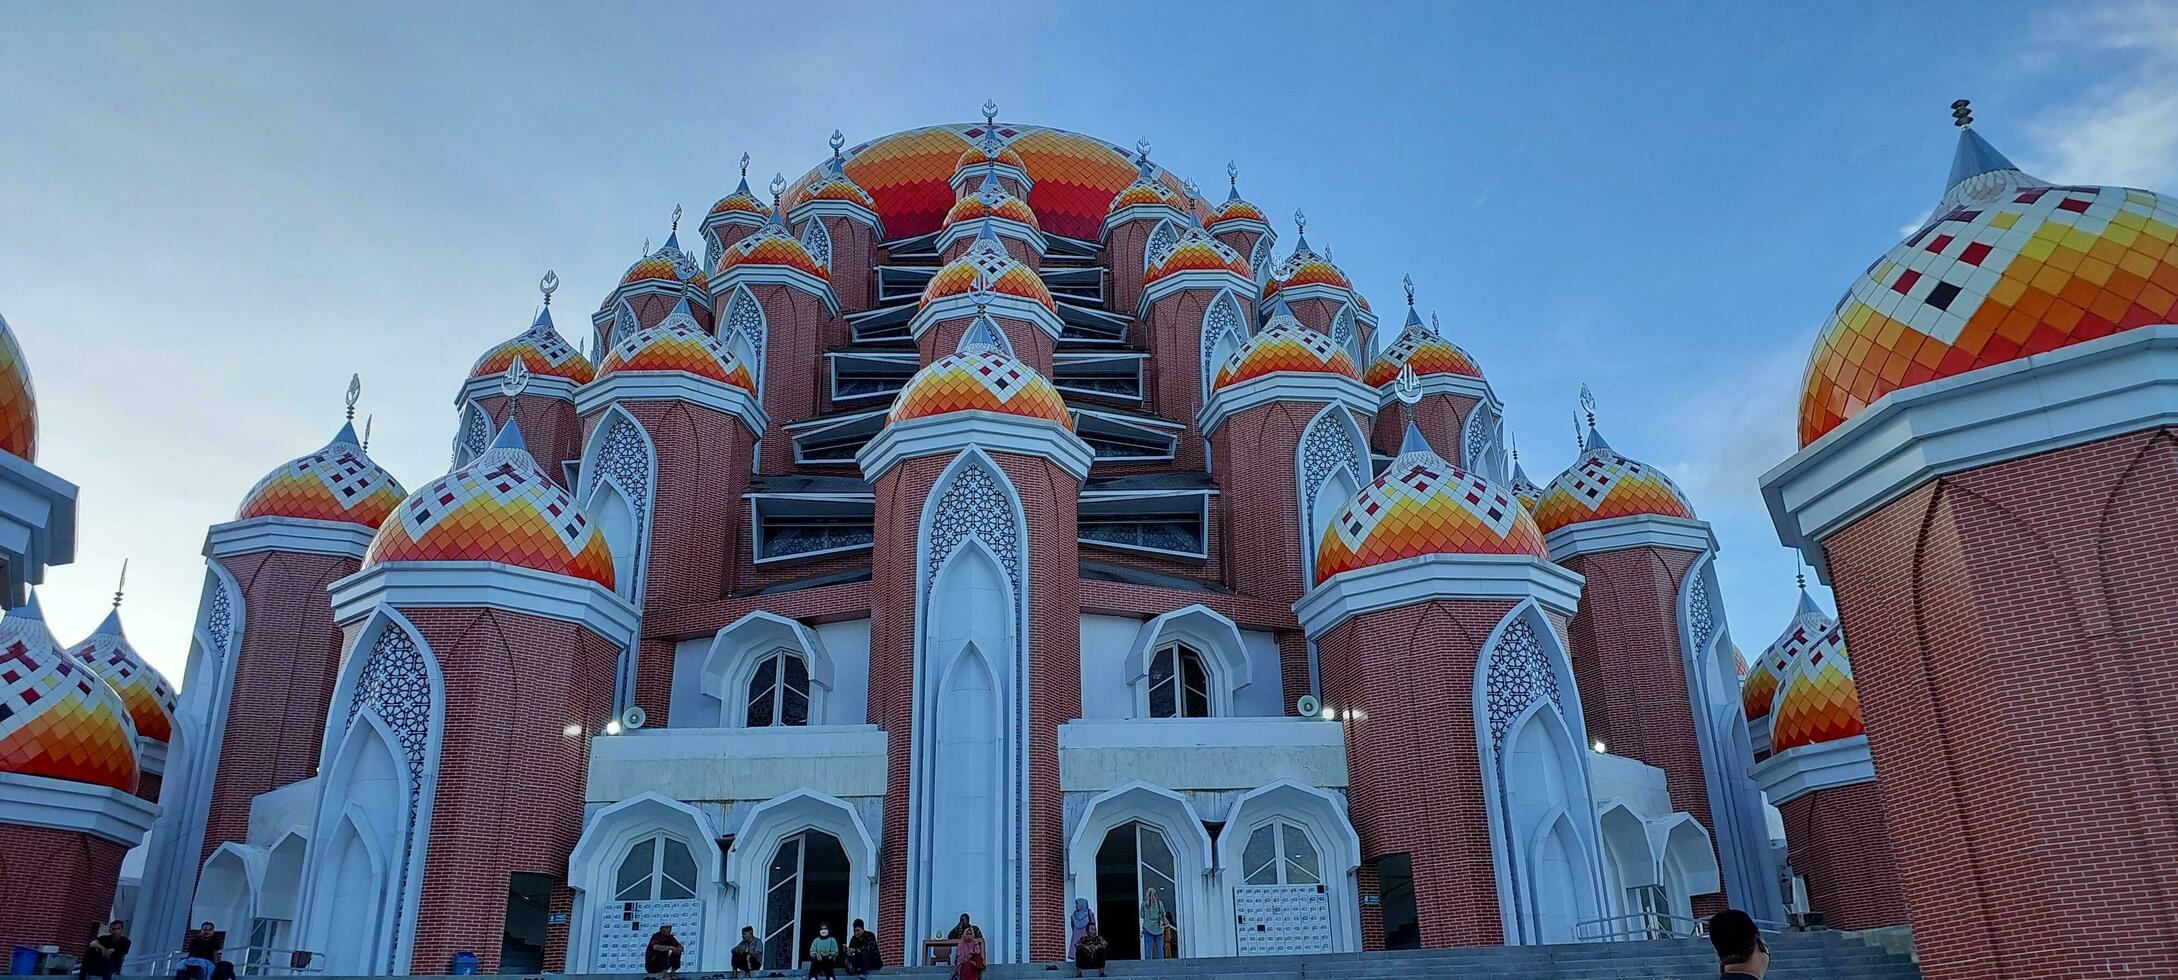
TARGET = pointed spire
x,y
1279,308
510,436
1807,604
1974,156
111,625
549,285
1414,319
839,163
1300,232
121,585
982,332
744,188
991,192
355,391
30,609
1413,441
1143,165
778,188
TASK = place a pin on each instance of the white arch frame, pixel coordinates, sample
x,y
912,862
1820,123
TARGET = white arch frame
x,y
296,837
1323,817
1741,835
1216,637
771,822
1686,860
1165,227
1305,500
750,349
177,836
596,860
1582,854
1208,339
736,650
326,834
1204,922
233,913
816,239
466,445
1347,320
1629,861
637,574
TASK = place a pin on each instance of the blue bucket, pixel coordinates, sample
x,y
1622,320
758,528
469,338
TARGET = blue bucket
x,y
23,961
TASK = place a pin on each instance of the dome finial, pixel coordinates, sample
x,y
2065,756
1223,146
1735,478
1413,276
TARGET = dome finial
x,y
744,166
1434,328
1300,222
367,432
1962,113
120,586
1232,175
1408,281
1513,443
355,391
551,282
990,113
839,164
1142,160
676,219
778,187
1588,405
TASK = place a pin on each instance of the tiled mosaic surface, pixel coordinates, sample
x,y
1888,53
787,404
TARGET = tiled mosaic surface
x,y
498,508
542,352
1195,251
1423,505
57,718
980,378
988,260
741,205
1285,345
149,698
336,483
1604,485
1426,352
677,344
1815,700
18,403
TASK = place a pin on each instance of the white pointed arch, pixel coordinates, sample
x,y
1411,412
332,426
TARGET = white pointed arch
x,y
746,331
1344,334
279,894
738,649
1478,441
1172,816
1160,239
1686,860
1331,466
475,434
1562,893
769,823
620,467
1224,329
1322,815
1209,632
346,910
1259,261
177,837
1629,861
817,241
1741,835
605,842
227,887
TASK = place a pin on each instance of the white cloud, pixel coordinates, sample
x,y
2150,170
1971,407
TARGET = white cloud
x,y
2125,130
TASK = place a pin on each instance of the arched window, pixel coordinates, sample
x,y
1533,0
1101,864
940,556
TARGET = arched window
x,y
657,868
1280,853
807,888
1134,859
779,691
1179,683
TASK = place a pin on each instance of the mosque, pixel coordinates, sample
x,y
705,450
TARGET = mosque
x,y
764,613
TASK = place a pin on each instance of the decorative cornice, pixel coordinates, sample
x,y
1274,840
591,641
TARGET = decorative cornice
x,y
1790,775
719,219
635,386
1143,212
724,280
1636,531
1210,279
829,207
963,306
1257,225
539,386
1006,228
1424,578
992,432
1442,384
64,804
37,523
287,534
1293,386
485,585
150,756
2105,387
673,289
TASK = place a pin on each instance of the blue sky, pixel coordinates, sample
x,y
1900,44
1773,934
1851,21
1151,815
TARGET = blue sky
x,y
210,215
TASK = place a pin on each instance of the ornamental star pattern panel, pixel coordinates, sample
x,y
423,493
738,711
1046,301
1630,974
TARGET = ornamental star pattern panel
x,y
57,718
219,620
497,509
678,344
1423,505
974,504
1221,321
1426,352
18,403
817,242
1605,485
625,462
1519,675
1286,347
336,483
1325,447
980,379
149,699
395,685
745,318
2011,268
542,352
476,434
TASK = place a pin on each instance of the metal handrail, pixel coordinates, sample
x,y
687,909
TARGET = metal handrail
x,y
249,961
1638,926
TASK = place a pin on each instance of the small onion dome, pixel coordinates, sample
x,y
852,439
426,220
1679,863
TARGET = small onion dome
x,y
497,508
1815,700
668,264
145,691
59,719
771,247
980,378
1423,505
832,183
1140,192
1235,209
1603,485
1195,251
988,259
1524,489
1285,346
18,403
1739,663
336,483
677,343
542,352
1000,205
1422,349
741,205
2009,266
981,154
1305,268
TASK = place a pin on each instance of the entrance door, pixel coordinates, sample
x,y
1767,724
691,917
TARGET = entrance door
x,y
1133,859
808,888
1281,905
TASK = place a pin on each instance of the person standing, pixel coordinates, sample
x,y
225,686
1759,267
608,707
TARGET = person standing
x,y
959,928
1738,942
663,954
103,958
823,954
1153,926
1172,939
748,955
968,958
1078,925
863,956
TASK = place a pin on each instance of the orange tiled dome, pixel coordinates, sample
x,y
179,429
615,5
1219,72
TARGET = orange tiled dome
x,y
497,508
1312,271
773,247
741,205
58,718
980,377
336,483
1524,489
1002,206
1140,192
542,352
1196,251
1007,276
2009,266
1423,505
677,343
1603,485
18,403
1815,700
1235,209
145,691
976,155
1285,346
1425,351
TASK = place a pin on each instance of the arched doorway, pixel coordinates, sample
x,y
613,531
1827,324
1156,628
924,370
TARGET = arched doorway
x,y
1280,903
1134,858
806,887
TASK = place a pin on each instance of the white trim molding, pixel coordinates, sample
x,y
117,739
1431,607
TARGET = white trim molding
x,y
605,841
1635,531
1210,279
37,523
1794,773
631,386
1165,211
1426,577
540,386
724,281
732,659
992,432
287,534
2105,387
1443,384
836,208
1289,386
64,804
485,585
1211,634
1322,815
962,306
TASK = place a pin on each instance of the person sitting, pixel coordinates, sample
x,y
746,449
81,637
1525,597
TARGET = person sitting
x,y
968,957
748,955
663,955
1090,950
863,957
102,958
823,954
1738,942
200,954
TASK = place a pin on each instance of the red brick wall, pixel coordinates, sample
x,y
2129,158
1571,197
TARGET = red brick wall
x,y
796,326
1441,417
1413,765
2009,627
147,785
1031,345
1841,845
1368,885
1240,241
854,283
510,782
549,428
283,683
56,886
1172,374
1123,249
1317,314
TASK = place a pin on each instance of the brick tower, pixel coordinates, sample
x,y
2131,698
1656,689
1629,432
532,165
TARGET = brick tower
x,y
546,406
649,290
672,423
1242,227
734,217
837,223
988,281
262,660
1804,718
1653,656
1144,218
974,636
1439,625
1197,302
68,779
485,635
1319,295
1450,403
1987,477
774,307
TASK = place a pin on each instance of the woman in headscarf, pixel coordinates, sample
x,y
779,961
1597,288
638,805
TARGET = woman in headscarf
x,y
968,958
1090,951
1080,922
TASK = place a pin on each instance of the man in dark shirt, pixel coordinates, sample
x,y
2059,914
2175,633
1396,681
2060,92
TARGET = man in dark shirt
x,y
200,954
103,958
1740,950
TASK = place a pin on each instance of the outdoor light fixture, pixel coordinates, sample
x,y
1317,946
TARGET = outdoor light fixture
x,y
572,730
612,727
1599,746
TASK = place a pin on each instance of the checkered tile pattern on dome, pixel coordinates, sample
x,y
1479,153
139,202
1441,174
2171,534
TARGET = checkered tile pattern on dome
x,y
1427,352
677,344
57,718
1196,251
975,156
1605,485
1140,193
1525,491
910,176
771,247
1816,701
498,508
2016,268
18,403
742,203
651,268
1757,689
1008,277
980,379
336,483
1313,271
1423,505
1008,208
840,188
542,352
149,698
1236,209
1285,346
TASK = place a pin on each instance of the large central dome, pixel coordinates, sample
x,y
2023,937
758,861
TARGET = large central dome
x,y
910,175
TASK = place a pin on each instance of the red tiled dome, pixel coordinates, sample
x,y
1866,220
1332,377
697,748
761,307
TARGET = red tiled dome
x,y
58,718
336,483
980,378
1423,505
18,403
497,508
